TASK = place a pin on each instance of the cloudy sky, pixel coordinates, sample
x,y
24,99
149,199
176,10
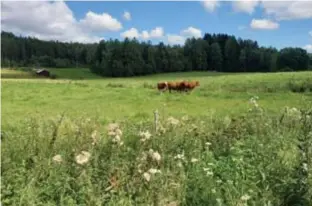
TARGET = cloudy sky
x,y
278,24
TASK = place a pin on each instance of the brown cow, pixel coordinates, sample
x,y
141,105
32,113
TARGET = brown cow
x,y
162,86
189,86
174,86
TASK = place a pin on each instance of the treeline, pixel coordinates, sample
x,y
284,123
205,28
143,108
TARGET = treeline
x,y
27,51
213,52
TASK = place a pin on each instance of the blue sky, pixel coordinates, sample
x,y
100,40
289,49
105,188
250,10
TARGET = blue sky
x,y
278,24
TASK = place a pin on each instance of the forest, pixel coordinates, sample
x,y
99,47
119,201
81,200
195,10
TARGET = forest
x,y
130,57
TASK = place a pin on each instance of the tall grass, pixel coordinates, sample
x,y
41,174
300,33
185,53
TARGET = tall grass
x,y
247,159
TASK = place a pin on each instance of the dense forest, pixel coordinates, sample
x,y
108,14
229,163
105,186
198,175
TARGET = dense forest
x,y
213,52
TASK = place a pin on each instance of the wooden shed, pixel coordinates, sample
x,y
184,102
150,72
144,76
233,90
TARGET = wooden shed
x,y
43,72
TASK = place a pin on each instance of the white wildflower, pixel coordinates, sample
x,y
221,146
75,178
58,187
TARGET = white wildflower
x,y
213,191
185,118
227,121
305,166
206,169
210,164
112,127
230,182
57,158
218,181
117,139
207,143
83,158
147,176
194,160
180,156
118,132
145,135
179,164
154,171
111,133
140,171
94,137
245,197
219,201
155,155
209,173
173,121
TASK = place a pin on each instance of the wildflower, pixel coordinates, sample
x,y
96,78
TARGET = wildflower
x,y
155,155
207,143
145,135
111,133
219,181
245,197
185,118
305,166
154,171
83,158
117,139
194,160
213,190
219,201
206,169
174,203
210,164
227,121
180,156
179,164
94,137
57,158
173,121
118,132
147,176
112,126
230,182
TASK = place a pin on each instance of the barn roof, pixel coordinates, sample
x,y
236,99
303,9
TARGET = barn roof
x,y
41,70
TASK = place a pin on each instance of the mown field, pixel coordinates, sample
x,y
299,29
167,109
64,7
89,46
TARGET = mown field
x,y
238,139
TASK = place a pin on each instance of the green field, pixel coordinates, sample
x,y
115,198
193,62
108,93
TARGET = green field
x,y
253,156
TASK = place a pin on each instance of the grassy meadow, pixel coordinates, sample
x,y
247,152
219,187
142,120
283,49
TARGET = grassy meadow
x,y
80,139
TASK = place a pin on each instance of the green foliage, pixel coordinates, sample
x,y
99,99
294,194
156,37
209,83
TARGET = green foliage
x,y
252,158
114,58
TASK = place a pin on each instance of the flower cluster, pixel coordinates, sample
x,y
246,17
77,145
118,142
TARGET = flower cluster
x,y
145,135
83,158
115,132
173,121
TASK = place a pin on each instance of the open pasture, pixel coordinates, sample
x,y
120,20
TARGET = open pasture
x,y
122,98
213,146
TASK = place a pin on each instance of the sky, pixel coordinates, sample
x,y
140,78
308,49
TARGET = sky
x,y
272,23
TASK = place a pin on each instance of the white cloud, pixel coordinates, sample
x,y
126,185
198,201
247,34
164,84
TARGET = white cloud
x,y
210,5
288,10
175,39
263,24
100,22
158,32
145,34
131,33
53,21
192,32
245,6
308,48
127,16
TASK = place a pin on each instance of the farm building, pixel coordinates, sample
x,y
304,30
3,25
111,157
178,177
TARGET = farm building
x,y
43,72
